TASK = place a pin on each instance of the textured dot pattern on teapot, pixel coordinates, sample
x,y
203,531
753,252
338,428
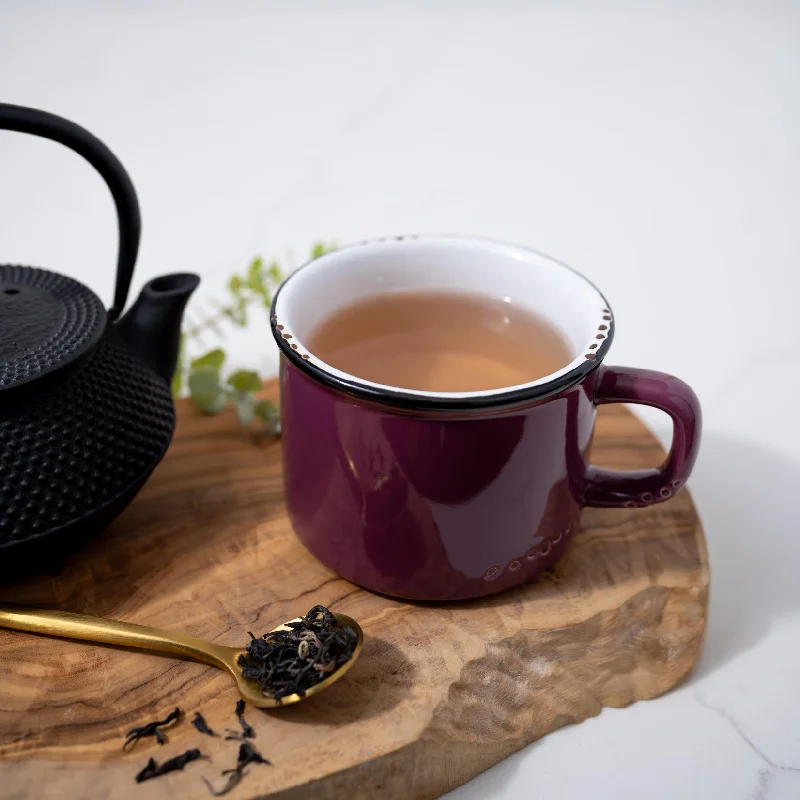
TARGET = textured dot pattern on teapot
x,y
72,451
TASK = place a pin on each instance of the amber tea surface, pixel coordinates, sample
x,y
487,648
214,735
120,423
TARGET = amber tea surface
x,y
439,342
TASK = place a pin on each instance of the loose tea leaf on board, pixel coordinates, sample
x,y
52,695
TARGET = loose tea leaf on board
x,y
292,661
247,755
199,721
153,769
247,731
151,729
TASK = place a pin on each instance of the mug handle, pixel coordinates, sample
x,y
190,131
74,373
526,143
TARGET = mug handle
x,y
644,487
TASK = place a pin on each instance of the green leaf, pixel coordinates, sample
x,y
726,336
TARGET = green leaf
x,y
209,390
239,313
205,390
268,414
213,360
177,378
320,249
244,380
214,325
205,379
255,277
245,407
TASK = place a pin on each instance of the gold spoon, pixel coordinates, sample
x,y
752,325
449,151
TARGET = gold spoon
x,y
126,634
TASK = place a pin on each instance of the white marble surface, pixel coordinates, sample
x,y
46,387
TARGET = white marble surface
x,y
653,146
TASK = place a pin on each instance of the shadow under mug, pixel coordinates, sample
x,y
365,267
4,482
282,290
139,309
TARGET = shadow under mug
x,y
451,495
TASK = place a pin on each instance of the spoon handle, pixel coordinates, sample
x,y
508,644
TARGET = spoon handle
x,y
108,631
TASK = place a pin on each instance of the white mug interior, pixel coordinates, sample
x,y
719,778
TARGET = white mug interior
x,y
526,278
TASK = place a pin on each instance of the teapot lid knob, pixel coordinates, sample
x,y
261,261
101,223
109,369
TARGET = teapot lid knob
x,y
47,322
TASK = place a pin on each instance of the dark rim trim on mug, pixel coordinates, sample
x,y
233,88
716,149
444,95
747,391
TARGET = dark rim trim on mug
x,y
397,398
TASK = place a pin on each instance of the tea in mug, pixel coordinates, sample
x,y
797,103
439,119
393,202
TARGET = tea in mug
x,y
436,341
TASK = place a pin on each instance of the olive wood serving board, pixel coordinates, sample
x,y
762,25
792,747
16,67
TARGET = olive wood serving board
x,y
440,693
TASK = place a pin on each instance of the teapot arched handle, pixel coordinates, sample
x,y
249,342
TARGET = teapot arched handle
x,y
50,126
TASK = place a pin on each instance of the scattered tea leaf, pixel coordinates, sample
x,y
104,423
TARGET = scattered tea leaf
x,y
248,732
153,769
151,729
247,755
199,721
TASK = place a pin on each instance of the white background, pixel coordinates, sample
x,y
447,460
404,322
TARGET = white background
x,y
653,146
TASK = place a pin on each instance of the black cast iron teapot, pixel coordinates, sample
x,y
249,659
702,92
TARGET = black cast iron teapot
x,y
86,409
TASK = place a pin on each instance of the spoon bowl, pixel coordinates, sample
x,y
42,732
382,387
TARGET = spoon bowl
x,y
125,634
249,689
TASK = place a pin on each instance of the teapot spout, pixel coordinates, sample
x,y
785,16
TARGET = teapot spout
x,y
152,326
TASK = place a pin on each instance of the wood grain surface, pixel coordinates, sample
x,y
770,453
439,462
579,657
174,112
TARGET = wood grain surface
x,y
440,693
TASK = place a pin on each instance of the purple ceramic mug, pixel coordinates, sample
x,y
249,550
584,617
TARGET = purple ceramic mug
x,y
449,495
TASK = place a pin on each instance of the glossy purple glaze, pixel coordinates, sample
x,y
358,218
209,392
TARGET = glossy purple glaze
x,y
647,486
443,496
430,507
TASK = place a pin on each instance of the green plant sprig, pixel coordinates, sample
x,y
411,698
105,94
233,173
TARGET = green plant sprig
x,y
212,390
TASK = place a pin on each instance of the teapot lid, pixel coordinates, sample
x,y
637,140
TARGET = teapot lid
x,y
47,321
